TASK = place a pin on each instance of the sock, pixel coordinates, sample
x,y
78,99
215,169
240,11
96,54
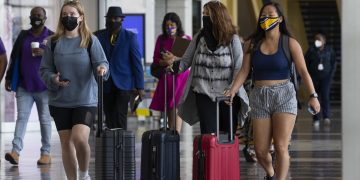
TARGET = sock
x,y
83,174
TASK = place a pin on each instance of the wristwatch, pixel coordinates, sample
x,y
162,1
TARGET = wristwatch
x,y
314,95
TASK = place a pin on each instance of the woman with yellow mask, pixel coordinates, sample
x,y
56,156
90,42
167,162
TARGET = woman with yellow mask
x,y
273,98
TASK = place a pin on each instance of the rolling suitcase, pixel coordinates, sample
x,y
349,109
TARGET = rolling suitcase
x,y
216,157
115,149
160,154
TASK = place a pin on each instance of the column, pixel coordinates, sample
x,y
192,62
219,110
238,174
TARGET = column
x,y
350,89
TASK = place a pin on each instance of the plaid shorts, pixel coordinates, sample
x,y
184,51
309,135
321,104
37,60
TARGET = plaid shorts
x,y
267,100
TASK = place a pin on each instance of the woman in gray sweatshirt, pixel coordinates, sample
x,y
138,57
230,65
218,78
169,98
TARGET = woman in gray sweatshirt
x,y
72,59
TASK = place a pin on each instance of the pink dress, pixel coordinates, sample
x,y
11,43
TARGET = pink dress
x,y
158,100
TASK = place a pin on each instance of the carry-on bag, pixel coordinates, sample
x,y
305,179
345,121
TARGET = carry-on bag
x,y
216,156
115,148
160,154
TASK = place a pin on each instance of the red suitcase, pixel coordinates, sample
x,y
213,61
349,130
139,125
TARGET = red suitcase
x,y
216,157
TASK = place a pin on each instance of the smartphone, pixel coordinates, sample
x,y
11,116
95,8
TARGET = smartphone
x,y
311,110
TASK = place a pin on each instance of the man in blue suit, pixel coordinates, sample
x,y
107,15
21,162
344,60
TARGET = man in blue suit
x,y
126,71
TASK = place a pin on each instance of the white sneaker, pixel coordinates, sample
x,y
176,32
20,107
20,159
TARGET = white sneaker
x,y
327,121
316,123
86,178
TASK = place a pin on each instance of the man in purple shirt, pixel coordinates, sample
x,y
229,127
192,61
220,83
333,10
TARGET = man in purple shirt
x,y
23,78
3,60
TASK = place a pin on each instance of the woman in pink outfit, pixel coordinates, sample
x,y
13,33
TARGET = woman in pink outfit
x,y
172,29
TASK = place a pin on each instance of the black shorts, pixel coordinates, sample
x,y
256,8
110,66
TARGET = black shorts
x,y
66,118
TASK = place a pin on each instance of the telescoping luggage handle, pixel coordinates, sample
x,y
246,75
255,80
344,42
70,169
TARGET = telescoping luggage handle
x,y
167,71
218,100
100,106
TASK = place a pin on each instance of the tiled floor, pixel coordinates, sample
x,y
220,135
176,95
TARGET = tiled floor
x,y
315,153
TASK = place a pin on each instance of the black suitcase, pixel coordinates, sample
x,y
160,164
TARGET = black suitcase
x,y
160,154
115,149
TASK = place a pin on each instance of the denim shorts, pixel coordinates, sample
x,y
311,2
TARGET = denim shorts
x,y
267,100
66,118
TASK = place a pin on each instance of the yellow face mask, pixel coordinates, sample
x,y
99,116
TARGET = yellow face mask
x,y
268,23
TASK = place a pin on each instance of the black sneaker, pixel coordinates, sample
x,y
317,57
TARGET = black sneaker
x,y
248,156
270,177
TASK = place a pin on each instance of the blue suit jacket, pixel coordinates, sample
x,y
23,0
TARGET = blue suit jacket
x,y
126,71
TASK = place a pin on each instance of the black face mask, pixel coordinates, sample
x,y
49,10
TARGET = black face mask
x,y
207,23
112,26
70,23
36,22
210,40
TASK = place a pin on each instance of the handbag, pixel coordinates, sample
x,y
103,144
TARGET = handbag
x,y
156,70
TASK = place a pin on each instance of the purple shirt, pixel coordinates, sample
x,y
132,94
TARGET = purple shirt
x,y
2,48
29,67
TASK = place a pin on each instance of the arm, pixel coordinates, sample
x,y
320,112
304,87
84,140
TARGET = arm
x,y
98,58
3,64
242,74
157,58
135,60
237,54
47,69
183,63
300,65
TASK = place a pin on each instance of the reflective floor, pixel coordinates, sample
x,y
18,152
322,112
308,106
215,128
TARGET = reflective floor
x,y
315,153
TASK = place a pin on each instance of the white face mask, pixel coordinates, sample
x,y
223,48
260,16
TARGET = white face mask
x,y
318,43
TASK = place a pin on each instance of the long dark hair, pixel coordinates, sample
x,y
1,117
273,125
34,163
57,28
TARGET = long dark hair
x,y
259,33
171,16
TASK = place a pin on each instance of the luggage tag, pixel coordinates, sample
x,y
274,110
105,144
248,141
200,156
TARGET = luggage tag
x,y
320,67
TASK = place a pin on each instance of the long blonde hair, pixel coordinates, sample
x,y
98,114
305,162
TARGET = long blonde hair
x,y
85,32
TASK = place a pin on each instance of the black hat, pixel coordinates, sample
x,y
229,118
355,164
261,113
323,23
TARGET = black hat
x,y
114,11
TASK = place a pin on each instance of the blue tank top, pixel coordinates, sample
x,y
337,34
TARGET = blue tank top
x,y
270,67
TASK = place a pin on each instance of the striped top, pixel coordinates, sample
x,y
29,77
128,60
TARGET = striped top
x,y
187,106
212,70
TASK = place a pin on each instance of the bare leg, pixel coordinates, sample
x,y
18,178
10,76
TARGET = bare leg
x,y
80,137
283,125
262,141
171,120
68,154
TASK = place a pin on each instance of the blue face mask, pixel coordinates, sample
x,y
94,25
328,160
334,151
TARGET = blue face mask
x,y
171,31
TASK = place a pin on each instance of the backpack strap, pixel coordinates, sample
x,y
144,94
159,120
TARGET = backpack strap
x,y
286,48
293,75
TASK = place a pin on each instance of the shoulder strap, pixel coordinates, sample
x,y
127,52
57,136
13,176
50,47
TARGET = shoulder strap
x,y
293,75
52,45
285,46
89,47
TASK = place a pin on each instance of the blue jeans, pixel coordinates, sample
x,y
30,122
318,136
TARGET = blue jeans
x,y
25,101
